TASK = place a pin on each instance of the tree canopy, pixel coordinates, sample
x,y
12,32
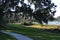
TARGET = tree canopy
x,y
44,9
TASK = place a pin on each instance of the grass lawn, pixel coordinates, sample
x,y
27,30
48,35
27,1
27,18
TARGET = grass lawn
x,y
44,26
6,37
34,33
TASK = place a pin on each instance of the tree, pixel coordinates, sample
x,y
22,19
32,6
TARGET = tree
x,y
58,18
43,12
5,6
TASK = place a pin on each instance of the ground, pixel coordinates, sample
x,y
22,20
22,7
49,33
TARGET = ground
x,y
34,33
6,37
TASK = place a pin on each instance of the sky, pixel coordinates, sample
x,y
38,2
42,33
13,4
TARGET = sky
x,y
57,2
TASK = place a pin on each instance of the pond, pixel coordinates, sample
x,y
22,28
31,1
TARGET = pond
x,y
50,23
54,23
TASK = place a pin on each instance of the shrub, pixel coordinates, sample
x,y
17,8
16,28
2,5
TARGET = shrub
x,y
27,24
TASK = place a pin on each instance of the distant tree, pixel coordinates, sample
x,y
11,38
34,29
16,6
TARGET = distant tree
x,y
58,18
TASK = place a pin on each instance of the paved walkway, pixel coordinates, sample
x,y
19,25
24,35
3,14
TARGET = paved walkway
x,y
17,36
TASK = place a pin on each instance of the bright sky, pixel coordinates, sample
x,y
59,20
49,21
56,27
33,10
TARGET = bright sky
x,y
57,2
32,5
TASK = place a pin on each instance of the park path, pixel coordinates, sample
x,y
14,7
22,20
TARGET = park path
x,y
17,36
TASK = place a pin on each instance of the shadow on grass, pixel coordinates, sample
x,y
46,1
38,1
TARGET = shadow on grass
x,y
6,37
34,33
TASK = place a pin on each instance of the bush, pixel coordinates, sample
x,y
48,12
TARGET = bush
x,y
27,24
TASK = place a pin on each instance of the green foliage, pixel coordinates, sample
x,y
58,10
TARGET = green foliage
x,y
5,8
42,13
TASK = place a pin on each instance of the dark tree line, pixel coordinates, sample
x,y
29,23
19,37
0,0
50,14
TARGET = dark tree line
x,y
43,10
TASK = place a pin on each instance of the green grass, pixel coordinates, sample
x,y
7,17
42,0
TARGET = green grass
x,y
34,33
6,37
